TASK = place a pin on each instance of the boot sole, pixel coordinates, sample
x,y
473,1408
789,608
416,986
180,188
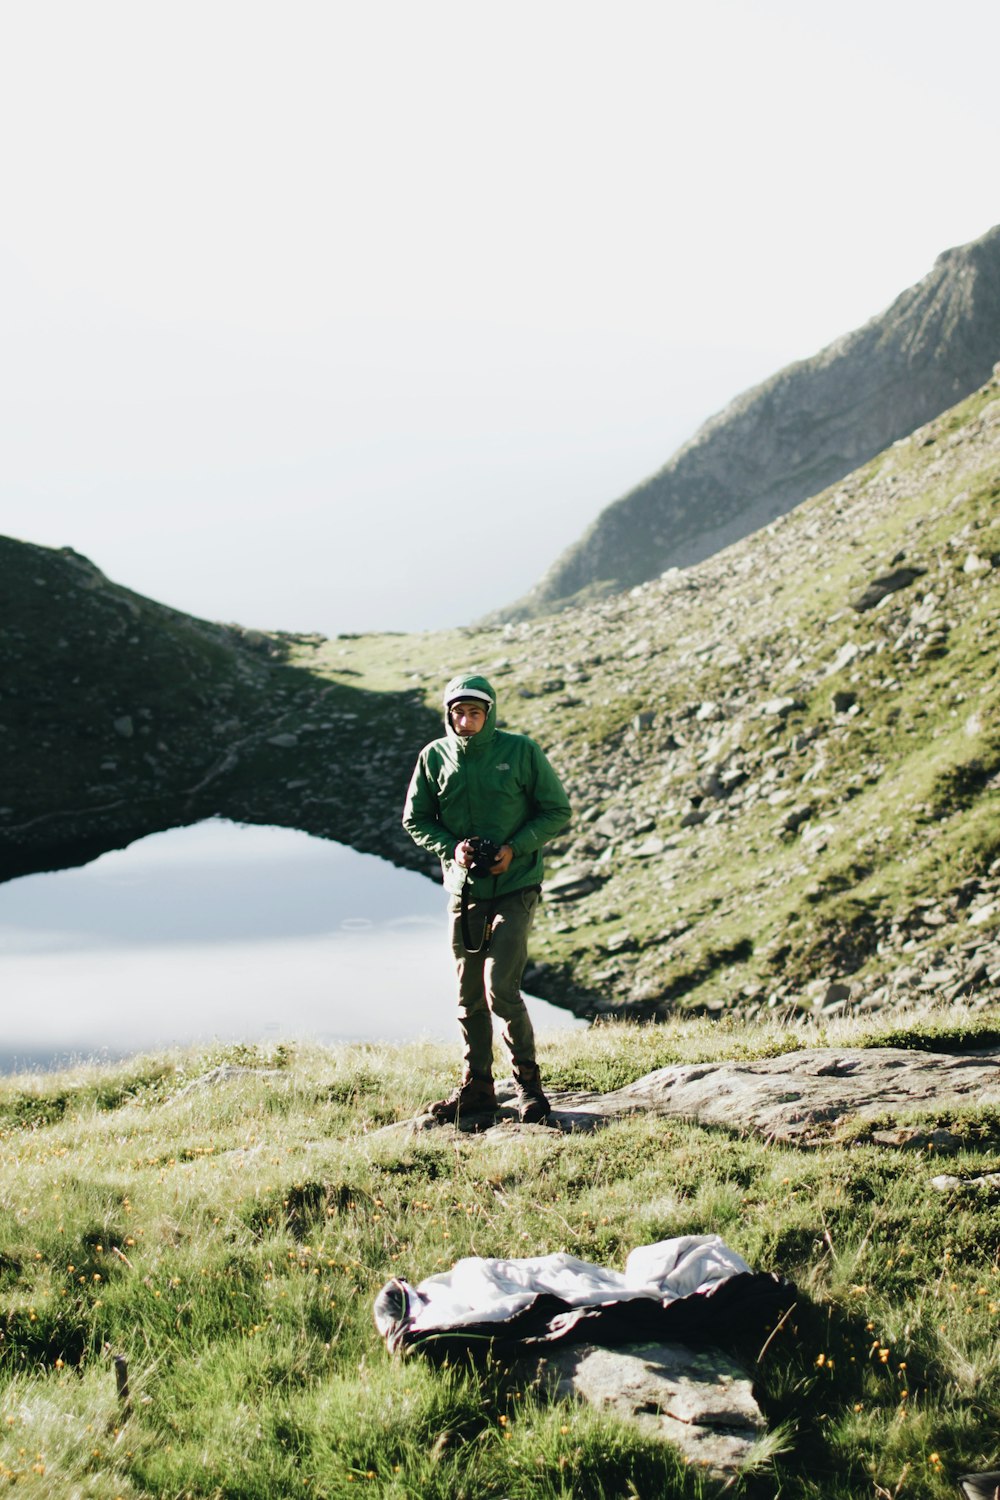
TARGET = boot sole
x,y
460,1115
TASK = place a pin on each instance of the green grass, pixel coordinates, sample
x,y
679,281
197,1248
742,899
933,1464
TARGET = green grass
x,y
229,1240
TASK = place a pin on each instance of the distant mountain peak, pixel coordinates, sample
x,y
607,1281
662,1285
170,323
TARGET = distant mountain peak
x,y
793,435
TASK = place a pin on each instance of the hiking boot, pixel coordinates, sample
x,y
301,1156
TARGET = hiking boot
x,y
532,1108
532,1105
473,1097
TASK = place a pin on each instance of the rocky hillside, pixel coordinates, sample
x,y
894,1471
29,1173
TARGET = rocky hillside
x,y
120,717
803,429
784,760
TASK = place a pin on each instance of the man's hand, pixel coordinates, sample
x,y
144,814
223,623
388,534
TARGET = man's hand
x,y
464,854
503,860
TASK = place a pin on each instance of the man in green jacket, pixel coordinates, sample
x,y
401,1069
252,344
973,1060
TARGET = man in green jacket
x,y
481,782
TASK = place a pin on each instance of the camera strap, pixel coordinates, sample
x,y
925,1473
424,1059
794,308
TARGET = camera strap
x,y
484,943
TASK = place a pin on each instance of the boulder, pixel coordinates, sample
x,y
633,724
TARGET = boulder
x,y
700,1401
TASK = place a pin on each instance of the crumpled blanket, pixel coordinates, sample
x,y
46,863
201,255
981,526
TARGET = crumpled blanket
x,y
693,1288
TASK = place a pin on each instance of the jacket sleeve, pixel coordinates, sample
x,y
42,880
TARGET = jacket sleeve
x,y
421,814
550,810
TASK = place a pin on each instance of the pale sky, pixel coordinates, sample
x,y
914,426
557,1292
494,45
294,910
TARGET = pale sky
x,y
352,316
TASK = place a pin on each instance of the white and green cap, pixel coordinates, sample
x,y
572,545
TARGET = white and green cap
x,y
468,690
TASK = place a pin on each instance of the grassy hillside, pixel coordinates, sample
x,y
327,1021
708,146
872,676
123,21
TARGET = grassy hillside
x,y
785,792
222,1222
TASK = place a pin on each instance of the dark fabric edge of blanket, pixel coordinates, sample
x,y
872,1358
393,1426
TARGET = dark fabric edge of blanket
x,y
745,1304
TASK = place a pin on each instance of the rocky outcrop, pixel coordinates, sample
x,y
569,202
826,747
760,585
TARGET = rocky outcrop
x,y
700,1401
120,717
798,432
801,1097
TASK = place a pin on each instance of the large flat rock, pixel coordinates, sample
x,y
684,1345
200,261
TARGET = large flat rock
x,y
700,1401
798,1097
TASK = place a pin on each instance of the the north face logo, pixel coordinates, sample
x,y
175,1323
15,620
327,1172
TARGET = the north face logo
x,y
503,766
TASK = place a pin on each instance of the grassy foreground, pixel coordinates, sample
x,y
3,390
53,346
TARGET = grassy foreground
x,y
228,1237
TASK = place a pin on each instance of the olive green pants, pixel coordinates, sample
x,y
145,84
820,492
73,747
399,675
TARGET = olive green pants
x,y
489,982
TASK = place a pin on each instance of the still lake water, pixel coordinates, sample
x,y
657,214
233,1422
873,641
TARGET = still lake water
x,y
227,932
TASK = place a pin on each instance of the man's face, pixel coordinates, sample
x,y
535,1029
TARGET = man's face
x,y
467,717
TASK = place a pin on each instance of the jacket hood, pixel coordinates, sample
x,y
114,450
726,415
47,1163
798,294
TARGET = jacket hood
x,y
472,687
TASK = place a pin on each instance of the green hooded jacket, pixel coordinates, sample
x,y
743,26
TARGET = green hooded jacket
x,y
495,784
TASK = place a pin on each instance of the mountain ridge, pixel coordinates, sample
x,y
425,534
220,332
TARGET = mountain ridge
x,y
793,434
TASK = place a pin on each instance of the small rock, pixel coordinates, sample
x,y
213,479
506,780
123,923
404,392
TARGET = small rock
x,y
780,708
975,976
806,736
975,565
796,816
848,652
648,848
283,741
224,1073
948,1184
935,979
889,583
571,881
935,917
817,836
617,820
621,942
124,726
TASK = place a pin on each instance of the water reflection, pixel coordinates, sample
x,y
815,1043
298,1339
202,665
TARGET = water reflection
x,y
242,934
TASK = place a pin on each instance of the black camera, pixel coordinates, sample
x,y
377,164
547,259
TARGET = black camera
x,y
484,858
